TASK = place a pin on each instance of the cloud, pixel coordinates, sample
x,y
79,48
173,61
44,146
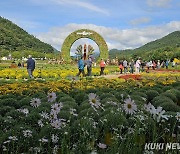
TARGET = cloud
x,y
83,4
115,38
76,3
139,21
158,3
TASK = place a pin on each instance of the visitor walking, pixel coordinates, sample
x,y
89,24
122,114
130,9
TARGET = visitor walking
x,y
167,64
154,65
30,66
81,66
121,67
158,64
125,64
137,66
131,66
89,66
102,66
148,66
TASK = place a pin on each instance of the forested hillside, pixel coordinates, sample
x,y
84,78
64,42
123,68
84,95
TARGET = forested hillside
x,y
14,38
167,47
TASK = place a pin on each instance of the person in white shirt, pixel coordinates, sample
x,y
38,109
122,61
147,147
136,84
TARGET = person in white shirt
x,y
137,66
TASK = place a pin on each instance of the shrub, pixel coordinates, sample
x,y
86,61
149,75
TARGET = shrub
x,y
157,101
171,96
166,88
71,104
159,90
105,95
10,102
138,99
137,93
66,98
5,109
15,114
80,97
39,95
7,96
176,93
119,95
25,101
168,106
151,94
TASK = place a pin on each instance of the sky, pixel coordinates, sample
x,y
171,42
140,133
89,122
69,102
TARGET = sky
x,y
124,24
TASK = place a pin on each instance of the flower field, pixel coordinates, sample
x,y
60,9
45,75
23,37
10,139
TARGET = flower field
x,y
59,113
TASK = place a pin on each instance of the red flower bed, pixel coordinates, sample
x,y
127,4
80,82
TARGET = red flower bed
x,y
132,76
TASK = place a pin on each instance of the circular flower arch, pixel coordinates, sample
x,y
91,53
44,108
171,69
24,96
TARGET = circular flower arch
x,y
84,33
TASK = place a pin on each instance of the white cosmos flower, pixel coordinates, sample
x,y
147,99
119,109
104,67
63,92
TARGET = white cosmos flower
x,y
130,107
102,146
40,123
112,103
159,113
4,148
54,138
53,115
35,102
44,115
55,149
25,111
52,97
43,140
94,100
13,138
72,112
56,107
27,133
56,123
178,116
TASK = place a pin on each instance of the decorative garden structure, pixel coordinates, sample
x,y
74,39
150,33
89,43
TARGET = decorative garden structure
x,y
84,33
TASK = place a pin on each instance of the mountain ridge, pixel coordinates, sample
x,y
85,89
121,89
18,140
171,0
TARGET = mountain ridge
x,y
14,38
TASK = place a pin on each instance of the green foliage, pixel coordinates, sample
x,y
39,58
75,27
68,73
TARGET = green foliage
x,y
171,96
65,50
167,47
151,94
79,50
159,100
14,38
168,106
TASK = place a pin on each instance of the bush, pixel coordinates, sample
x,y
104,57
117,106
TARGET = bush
x,y
171,96
168,106
176,93
5,109
119,95
159,90
137,93
25,101
10,102
66,99
105,95
151,94
167,88
157,101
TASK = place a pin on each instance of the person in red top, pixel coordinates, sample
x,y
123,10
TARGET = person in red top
x,y
121,67
102,66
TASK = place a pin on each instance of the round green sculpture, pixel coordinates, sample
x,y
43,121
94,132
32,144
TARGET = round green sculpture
x,y
84,33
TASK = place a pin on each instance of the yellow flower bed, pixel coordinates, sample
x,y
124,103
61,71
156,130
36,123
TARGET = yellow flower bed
x,y
55,73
